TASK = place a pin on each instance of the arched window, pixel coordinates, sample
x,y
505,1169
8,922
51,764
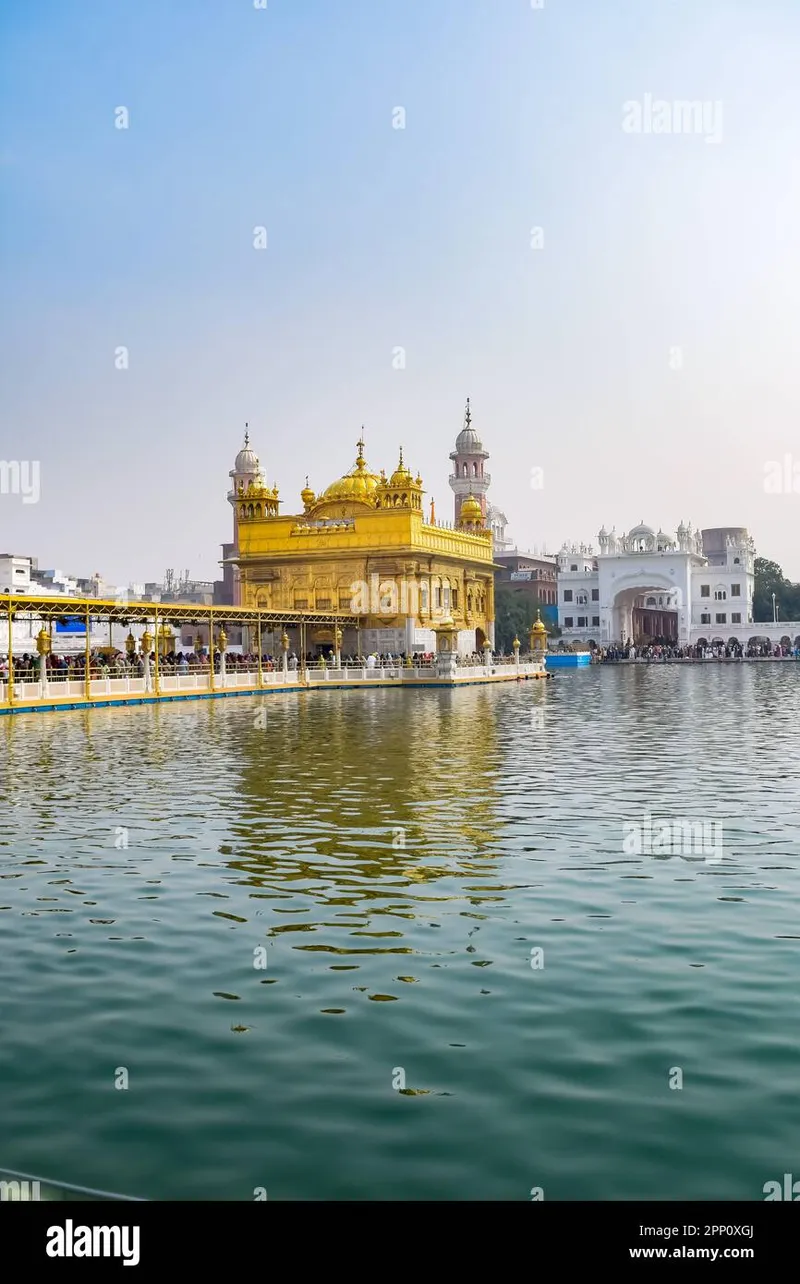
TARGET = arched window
x,y
474,470
464,470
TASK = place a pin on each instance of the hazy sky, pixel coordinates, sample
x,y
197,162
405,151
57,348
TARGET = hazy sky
x,y
641,349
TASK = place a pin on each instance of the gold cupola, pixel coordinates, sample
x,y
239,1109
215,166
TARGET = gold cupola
x,y
307,495
470,513
538,634
401,490
401,476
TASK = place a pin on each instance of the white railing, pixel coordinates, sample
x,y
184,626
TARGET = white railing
x,y
68,685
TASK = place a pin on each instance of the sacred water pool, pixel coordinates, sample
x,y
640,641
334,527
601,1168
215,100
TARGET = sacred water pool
x,y
439,887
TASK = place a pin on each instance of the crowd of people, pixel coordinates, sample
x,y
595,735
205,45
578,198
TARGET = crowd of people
x,y
719,651
118,664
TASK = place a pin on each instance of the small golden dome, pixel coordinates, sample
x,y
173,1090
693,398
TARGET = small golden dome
x,y
470,511
538,627
401,475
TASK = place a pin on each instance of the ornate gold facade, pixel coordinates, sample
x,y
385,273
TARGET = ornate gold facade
x,y
364,549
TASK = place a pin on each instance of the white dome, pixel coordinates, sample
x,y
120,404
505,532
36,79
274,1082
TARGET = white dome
x,y
641,532
468,442
247,459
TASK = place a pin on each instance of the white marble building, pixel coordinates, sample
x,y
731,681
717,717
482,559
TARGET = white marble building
x,y
644,585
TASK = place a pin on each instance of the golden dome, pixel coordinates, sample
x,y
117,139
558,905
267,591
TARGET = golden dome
x,y
470,511
357,486
538,627
401,475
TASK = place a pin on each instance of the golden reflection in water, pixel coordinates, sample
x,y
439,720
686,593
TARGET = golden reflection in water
x,y
365,802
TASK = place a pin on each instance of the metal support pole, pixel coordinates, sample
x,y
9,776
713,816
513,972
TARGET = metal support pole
x,y
87,675
158,648
260,671
211,652
10,655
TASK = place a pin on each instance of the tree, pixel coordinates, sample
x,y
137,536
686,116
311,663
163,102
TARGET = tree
x,y
769,579
514,612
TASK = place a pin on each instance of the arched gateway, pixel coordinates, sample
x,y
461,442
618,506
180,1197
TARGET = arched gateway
x,y
647,608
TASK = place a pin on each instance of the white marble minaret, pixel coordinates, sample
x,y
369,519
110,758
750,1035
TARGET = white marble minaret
x,y
468,476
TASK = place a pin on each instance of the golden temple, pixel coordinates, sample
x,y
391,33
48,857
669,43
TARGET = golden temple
x,y
363,549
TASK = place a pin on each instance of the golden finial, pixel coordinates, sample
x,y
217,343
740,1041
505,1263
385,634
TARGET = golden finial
x,y
433,512
246,435
467,416
360,456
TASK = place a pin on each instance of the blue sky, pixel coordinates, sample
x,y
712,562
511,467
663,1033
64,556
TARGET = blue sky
x,y
645,357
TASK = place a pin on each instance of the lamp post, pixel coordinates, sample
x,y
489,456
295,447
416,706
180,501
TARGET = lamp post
x,y
285,649
130,646
43,647
515,644
338,646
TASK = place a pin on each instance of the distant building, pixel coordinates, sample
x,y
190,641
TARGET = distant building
x,y
15,573
694,588
533,579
